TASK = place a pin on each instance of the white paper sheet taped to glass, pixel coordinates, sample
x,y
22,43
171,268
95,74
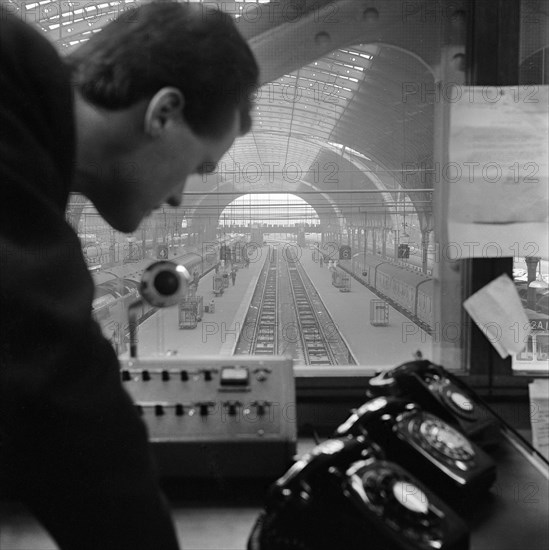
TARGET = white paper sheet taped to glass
x,y
498,171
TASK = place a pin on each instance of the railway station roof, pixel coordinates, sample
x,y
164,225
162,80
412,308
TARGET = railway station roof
x,y
346,102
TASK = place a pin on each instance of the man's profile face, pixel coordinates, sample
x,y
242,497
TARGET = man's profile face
x,y
155,172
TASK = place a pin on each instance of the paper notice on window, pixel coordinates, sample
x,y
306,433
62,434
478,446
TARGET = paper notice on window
x,y
498,172
497,311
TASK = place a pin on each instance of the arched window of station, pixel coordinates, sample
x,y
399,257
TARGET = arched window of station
x,y
271,210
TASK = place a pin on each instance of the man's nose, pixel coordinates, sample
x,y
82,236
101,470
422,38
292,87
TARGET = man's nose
x,y
176,197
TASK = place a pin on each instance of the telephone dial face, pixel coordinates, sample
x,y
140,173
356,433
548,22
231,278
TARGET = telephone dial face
x,y
343,494
425,444
409,510
441,393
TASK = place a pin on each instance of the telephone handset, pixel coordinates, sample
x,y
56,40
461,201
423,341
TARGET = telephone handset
x,y
343,494
332,453
295,516
426,445
440,393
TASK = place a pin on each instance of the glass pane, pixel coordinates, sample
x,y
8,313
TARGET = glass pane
x,y
337,175
315,194
531,273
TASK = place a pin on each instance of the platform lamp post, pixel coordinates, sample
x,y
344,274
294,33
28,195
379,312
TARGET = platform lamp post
x,y
112,248
365,236
144,239
532,263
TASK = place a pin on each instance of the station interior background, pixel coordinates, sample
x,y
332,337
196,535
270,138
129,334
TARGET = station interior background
x,y
347,149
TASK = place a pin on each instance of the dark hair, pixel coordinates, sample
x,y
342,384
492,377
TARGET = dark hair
x,y
196,49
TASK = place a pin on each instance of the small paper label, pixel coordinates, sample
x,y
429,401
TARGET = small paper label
x,y
497,310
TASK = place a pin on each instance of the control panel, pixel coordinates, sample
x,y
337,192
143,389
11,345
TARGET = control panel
x,y
215,416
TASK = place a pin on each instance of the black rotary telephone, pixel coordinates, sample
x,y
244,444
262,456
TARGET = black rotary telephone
x,y
441,393
343,494
430,448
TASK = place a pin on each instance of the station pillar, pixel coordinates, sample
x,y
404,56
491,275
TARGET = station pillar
x,y
210,232
425,234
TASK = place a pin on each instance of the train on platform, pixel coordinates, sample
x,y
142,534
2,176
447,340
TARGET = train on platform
x,y
403,286
100,254
410,291
117,288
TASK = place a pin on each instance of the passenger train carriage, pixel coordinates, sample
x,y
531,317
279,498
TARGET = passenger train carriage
x,y
406,288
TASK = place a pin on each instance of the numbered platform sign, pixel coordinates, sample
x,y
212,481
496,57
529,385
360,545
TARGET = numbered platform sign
x,y
162,252
344,252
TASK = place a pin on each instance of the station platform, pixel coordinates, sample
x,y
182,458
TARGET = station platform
x,y
217,333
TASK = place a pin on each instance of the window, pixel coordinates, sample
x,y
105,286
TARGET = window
x,y
343,156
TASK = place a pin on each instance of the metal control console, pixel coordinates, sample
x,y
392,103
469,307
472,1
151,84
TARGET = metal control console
x,y
216,417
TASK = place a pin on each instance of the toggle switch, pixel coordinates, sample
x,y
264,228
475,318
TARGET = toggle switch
x,y
260,407
126,376
145,375
139,409
208,375
179,409
232,407
184,376
159,410
165,375
203,409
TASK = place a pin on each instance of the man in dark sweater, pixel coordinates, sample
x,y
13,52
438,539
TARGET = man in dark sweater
x,y
157,95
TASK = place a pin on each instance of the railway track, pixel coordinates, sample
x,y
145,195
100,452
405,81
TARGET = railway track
x,y
300,326
265,336
321,341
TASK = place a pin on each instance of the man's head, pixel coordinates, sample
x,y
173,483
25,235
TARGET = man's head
x,y
162,92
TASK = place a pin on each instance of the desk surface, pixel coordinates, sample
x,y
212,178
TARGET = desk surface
x,y
514,516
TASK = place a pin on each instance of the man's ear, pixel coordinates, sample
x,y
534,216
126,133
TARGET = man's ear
x,y
167,104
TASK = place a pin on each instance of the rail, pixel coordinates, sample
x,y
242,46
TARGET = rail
x,y
265,337
314,339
